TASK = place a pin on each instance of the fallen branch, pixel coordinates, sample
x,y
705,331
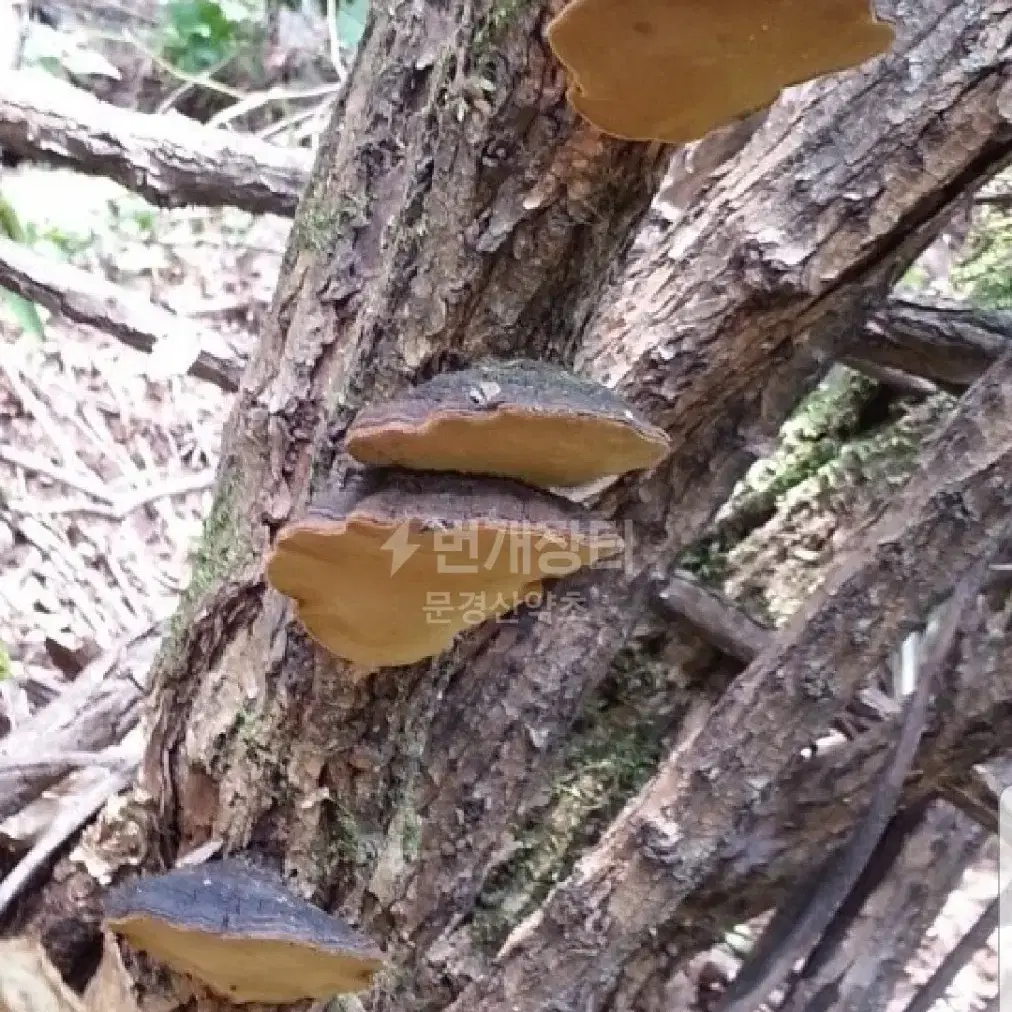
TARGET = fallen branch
x,y
94,713
21,781
733,632
721,623
168,159
820,800
974,939
950,344
801,922
670,838
62,828
974,794
91,299
86,482
120,506
816,807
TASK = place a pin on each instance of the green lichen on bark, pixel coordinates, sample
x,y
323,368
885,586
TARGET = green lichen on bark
x,y
411,838
611,754
809,440
322,218
342,838
781,562
221,550
500,16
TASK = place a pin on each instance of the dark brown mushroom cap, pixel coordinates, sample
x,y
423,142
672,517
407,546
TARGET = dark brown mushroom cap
x,y
391,567
242,933
673,70
531,421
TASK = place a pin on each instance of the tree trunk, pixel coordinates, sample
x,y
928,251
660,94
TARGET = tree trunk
x,y
458,209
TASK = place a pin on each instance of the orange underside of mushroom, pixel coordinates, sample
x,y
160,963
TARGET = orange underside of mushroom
x,y
537,448
248,969
379,594
673,70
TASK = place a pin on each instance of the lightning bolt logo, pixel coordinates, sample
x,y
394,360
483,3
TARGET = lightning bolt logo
x,y
399,547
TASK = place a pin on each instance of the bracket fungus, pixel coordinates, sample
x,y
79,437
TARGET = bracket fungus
x,y
390,568
531,421
673,70
240,931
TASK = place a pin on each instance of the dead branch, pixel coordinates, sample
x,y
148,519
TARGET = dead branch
x,y
814,810
67,822
168,159
725,626
974,939
821,798
948,344
92,714
24,780
860,972
91,299
670,838
801,922
729,629
974,793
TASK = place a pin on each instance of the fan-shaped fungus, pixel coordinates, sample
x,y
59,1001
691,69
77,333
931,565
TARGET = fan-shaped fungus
x,y
673,70
389,569
243,934
526,420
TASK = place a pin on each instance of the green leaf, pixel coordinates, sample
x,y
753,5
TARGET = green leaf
x,y
197,34
25,313
10,223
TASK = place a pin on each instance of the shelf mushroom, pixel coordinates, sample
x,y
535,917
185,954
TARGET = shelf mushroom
x,y
241,932
391,567
531,421
673,70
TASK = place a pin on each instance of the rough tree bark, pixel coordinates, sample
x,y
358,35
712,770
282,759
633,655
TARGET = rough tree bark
x,y
461,210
